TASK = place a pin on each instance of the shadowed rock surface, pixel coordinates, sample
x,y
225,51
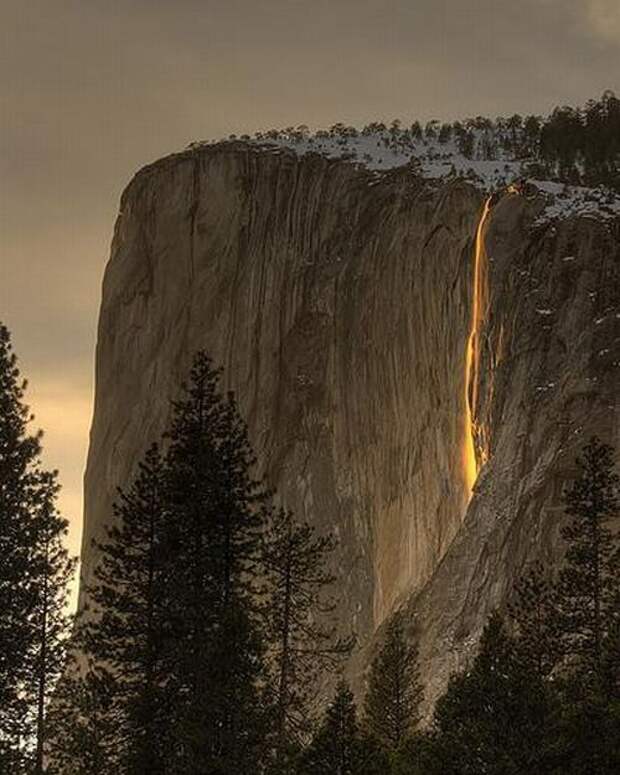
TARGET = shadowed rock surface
x,y
338,304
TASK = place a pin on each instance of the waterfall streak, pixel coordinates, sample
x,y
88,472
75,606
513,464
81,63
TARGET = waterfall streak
x,y
472,456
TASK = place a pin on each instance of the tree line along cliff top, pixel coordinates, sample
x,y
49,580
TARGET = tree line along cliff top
x,y
571,155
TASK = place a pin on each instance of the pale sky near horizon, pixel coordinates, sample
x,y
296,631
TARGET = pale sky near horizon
x,y
91,91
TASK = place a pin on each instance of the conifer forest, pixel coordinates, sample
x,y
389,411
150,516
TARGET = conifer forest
x,y
207,643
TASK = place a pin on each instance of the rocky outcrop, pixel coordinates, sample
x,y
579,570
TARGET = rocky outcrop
x,y
550,377
338,304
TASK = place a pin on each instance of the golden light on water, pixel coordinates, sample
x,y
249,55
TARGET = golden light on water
x,y
472,357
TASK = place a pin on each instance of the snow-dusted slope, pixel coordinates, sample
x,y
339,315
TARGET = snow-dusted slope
x,y
488,164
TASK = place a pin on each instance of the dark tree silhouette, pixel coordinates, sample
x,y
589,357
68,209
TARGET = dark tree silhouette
x,y
340,747
175,624
84,723
304,642
34,574
130,624
53,571
495,718
533,615
589,615
20,487
392,705
219,511
589,579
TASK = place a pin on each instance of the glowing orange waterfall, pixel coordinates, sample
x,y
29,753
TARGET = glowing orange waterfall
x,y
472,357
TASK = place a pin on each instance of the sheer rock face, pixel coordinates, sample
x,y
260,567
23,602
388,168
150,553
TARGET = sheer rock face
x,y
338,306
550,378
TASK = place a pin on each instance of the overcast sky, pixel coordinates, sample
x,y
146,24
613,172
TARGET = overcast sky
x,y
91,90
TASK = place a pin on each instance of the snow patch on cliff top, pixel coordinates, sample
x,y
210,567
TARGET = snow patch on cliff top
x,y
565,200
389,148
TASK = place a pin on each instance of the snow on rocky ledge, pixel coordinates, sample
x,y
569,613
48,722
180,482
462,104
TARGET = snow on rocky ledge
x,y
389,148
564,200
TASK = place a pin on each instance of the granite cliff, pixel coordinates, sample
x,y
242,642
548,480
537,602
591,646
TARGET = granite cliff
x,y
339,303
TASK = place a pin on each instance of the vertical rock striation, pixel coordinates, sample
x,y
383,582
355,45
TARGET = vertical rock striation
x,y
338,305
549,378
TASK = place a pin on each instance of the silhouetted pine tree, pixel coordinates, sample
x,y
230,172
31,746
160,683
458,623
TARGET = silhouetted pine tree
x,y
589,585
19,502
495,718
304,645
53,571
84,724
531,135
416,131
534,619
601,146
34,573
392,705
590,577
514,125
175,626
130,625
340,747
218,512
589,736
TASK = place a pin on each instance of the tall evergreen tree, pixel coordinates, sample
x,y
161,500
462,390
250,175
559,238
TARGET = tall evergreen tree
x,y
84,723
53,571
129,626
589,733
176,607
392,705
34,574
497,718
589,585
340,747
218,514
590,577
19,505
304,643
533,615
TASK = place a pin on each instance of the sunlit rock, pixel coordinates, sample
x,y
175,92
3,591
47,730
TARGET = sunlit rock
x,y
339,304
